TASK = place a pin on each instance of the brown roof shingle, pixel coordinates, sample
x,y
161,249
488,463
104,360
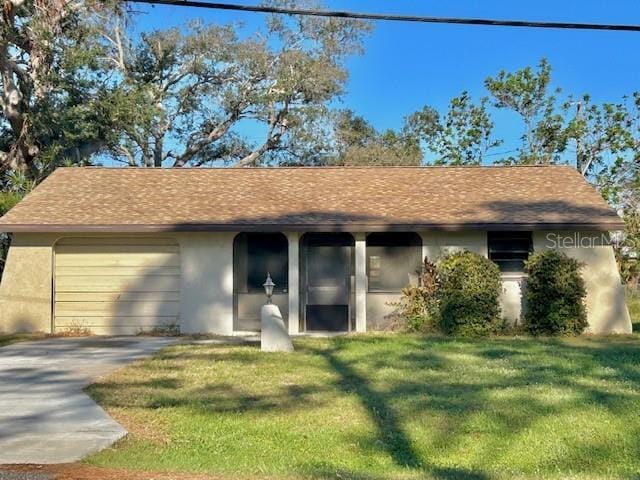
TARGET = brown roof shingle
x,y
354,198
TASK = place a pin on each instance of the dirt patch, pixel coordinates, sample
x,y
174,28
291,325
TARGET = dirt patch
x,y
80,471
146,427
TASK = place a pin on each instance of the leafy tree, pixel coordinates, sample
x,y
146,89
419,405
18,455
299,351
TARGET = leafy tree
x,y
8,199
54,92
526,92
194,87
462,137
359,143
599,131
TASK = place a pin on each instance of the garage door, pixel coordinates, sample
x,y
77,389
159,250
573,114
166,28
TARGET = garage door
x,y
116,286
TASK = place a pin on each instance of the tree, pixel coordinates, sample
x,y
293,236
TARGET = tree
x,y
462,137
194,88
359,143
527,93
599,131
54,93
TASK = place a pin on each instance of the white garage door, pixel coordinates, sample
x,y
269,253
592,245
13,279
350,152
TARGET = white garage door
x,y
116,286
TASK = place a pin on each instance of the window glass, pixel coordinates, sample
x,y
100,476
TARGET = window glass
x,y
393,260
257,254
509,250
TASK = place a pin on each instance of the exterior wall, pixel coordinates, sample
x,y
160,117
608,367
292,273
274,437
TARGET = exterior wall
x,y
434,245
25,291
606,308
513,286
207,282
206,304
379,309
249,305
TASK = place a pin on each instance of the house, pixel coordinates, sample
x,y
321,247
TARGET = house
x,y
119,251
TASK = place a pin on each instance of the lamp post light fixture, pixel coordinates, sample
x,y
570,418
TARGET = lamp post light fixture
x,y
268,287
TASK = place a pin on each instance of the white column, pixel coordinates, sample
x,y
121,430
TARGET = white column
x,y
361,282
294,282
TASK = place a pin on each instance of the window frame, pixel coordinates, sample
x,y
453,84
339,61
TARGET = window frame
x,y
241,279
375,240
503,236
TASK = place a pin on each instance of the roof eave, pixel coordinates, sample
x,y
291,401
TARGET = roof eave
x,y
315,227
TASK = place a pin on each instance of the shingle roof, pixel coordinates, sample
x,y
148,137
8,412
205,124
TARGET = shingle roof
x,y
333,198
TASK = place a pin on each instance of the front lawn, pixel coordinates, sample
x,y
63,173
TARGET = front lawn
x,y
18,337
633,303
383,407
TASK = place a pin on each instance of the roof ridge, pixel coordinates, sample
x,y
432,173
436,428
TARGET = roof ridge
x,y
307,167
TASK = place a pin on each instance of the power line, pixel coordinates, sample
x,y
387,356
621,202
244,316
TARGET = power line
x,y
392,18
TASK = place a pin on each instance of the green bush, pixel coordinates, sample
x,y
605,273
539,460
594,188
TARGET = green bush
x,y
554,295
7,201
417,309
469,293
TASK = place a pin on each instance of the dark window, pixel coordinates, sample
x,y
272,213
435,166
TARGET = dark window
x,y
255,255
393,259
510,250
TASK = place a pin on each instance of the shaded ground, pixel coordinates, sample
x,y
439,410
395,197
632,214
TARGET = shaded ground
x,y
383,407
45,417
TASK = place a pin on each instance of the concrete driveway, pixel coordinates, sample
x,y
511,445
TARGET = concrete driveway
x,y
44,415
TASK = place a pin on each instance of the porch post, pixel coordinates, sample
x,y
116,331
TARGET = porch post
x,y
361,282
294,282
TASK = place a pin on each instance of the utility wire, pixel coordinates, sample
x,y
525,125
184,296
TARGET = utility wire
x,y
391,17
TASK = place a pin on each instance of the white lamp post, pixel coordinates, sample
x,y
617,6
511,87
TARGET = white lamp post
x,y
268,287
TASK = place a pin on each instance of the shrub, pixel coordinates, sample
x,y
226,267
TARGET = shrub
x,y
554,295
7,201
469,294
417,310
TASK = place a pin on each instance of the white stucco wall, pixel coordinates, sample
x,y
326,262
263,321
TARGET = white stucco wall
x,y
206,304
606,308
207,282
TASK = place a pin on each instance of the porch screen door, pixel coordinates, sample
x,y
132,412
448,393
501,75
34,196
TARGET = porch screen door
x,y
327,289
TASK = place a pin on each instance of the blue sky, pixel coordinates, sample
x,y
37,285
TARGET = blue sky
x,y
406,66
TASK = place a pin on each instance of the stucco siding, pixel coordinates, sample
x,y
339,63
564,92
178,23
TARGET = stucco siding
x,y
249,305
511,304
606,308
207,282
26,287
380,309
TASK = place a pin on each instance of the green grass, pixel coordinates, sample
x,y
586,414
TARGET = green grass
x,y
384,407
17,337
633,302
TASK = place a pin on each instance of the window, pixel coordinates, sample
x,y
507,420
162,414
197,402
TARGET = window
x,y
255,255
393,259
509,250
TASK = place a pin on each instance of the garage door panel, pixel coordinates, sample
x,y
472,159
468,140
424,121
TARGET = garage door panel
x,y
125,249
116,285
117,296
148,259
108,241
130,321
117,329
122,271
101,309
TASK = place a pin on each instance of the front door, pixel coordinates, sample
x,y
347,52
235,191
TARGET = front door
x,y
326,281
